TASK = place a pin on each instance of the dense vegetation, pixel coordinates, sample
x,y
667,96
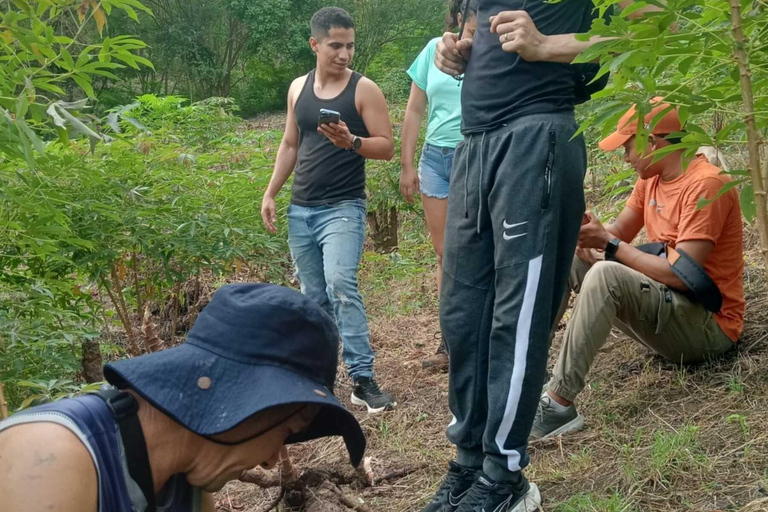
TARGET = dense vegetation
x,y
130,183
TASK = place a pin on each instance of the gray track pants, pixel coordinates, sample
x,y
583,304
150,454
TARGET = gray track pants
x,y
514,211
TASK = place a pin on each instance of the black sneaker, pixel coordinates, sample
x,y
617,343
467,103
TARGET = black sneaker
x,y
366,392
489,496
452,490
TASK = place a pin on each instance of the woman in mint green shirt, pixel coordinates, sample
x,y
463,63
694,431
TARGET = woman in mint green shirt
x,y
440,95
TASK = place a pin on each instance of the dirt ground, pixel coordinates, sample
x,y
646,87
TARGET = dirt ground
x,y
658,436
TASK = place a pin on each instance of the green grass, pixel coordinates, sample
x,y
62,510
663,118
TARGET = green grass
x,y
676,451
591,503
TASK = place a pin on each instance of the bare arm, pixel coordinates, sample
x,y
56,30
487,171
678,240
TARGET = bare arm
x,y
414,113
44,467
380,145
627,225
372,106
518,34
285,161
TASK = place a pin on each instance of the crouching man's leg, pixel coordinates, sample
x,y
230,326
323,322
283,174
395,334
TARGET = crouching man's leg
x,y
612,294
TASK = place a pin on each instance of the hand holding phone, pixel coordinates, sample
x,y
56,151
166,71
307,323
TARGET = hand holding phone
x,y
328,116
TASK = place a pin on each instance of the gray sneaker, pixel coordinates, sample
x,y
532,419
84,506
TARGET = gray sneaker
x,y
550,422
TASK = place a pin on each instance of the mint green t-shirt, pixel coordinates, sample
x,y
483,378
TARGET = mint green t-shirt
x,y
443,97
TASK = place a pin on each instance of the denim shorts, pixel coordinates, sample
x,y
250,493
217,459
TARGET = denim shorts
x,y
435,170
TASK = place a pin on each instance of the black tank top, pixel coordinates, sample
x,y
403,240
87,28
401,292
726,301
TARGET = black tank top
x,y
325,174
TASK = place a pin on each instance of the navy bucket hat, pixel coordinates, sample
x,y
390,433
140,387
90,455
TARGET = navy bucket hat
x,y
255,346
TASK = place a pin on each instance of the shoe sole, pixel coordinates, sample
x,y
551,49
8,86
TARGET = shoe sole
x,y
531,502
371,410
572,426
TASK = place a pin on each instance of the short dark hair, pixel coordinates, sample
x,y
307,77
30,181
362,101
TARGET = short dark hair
x,y
330,17
456,7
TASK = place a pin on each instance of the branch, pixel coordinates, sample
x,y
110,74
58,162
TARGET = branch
x,y
400,473
276,501
346,500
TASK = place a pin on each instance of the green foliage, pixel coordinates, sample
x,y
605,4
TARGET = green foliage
x,y
685,54
42,322
173,197
592,503
251,50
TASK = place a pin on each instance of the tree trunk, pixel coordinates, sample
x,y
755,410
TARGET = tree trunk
x,y
753,136
383,225
92,362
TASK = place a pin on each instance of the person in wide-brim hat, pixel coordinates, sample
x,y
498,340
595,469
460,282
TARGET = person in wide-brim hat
x,y
255,373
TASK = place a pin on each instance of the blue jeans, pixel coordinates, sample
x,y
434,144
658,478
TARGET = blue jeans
x,y
326,244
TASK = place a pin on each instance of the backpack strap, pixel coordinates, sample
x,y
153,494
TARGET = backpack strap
x,y
124,408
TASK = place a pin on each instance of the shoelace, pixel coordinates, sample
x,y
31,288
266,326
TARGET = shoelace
x,y
448,483
479,492
476,496
544,403
371,387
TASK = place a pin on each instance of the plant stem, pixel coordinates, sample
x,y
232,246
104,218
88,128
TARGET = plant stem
x,y
753,136
3,404
122,311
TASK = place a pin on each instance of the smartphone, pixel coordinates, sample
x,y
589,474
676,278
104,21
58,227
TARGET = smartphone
x,y
328,116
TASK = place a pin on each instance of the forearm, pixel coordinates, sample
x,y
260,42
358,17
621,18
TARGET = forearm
x,y
377,148
410,137
565,47
284,164
614,230
652,266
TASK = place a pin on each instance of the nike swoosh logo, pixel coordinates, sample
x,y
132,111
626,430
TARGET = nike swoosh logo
x,y
504,505
455,500
510,226
511,237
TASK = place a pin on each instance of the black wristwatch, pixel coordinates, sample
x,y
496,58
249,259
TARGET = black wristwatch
x,y
356,143
611,248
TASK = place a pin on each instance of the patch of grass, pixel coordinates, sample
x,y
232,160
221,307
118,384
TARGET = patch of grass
x,y
742,422
735,385
675,451
589,502
581,460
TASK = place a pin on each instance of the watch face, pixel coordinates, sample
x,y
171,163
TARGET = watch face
x,y
357,143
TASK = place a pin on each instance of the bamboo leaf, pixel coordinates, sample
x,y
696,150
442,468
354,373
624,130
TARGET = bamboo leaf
x,y
747,202
99,16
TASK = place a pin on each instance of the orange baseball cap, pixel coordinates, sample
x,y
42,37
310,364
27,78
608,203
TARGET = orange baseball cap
x,y
627,126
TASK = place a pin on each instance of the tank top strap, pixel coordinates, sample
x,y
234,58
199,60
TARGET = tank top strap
x,y
308,85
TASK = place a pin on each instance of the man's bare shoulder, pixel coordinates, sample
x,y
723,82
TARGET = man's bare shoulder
x,y
296,86
44,466
367,86
368,94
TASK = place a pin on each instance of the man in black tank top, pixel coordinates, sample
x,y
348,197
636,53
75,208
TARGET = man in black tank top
x,y
515,207
327,215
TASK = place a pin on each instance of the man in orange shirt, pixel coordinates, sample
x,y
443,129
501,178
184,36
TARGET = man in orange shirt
x,y
641,293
